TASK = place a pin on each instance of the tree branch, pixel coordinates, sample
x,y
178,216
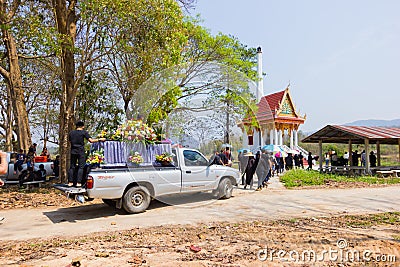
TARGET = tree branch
x,y
14,8
35,57
4,73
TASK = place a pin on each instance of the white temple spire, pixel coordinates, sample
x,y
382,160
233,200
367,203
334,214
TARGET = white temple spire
x,y
260,89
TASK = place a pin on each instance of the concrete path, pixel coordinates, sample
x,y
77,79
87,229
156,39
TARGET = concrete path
x,y
268,204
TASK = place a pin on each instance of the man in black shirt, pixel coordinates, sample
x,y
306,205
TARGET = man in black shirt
x,y
223,157
77,139
216,159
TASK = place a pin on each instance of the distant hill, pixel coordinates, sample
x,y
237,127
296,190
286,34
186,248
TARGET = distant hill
x,y
383,123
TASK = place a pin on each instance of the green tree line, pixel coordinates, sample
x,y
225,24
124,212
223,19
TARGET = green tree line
x,y
63,61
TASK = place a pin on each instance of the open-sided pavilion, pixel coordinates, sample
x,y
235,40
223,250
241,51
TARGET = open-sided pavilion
x,y
355,135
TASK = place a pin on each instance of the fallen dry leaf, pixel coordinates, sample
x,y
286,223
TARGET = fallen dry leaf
x,y
102,254
201,236
136,260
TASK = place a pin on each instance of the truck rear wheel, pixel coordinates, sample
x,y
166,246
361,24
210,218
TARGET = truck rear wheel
x,y
225,189
136,199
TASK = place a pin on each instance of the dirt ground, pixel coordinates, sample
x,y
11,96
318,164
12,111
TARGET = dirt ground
x,y
368,240
357,240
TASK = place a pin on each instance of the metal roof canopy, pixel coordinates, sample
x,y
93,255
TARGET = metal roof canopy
x,y
357,135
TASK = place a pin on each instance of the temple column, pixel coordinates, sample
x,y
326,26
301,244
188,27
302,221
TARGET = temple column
x,y
296,138
281,133
266,137
260,139
278,133
276,141
271,137
291,138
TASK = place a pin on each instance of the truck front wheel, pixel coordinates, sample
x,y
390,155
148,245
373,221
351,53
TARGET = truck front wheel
x,y
225,189
136,199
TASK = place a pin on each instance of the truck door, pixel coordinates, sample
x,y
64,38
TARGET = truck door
x,y
196,174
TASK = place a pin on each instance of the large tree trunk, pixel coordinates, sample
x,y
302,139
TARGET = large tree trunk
x,y
66,26
45,124
228,122
9,122
14,81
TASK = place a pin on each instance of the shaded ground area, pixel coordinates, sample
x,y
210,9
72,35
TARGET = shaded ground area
x,y
371,240
13,198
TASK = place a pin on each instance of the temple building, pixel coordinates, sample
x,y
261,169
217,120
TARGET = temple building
x,y
276,116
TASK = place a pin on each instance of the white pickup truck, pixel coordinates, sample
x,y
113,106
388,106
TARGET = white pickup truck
x,y
11,176
133,188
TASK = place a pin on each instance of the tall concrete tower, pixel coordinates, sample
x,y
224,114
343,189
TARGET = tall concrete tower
x,y
258,136
260,87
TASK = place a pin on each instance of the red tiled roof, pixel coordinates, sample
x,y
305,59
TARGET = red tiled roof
x,y
371,132
342,134
268,106
264,111
274,100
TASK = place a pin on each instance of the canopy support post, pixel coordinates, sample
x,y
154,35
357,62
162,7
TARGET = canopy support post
x,y
399,150
378,151
350,153
366,142
320,155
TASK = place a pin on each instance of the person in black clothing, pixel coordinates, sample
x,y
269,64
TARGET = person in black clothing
x,y
296,161
229,157
27,175
20,160
56,166
40,175
77,139
250,170
289,161
301,160
281,164
242,164
354,158
216,159
309,161
33,148
30,157
372,159
223,157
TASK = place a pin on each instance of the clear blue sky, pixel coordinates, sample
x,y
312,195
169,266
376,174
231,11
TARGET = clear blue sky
x,y
341,57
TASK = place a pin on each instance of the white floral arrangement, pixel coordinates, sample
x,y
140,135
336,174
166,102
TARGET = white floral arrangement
x,y
137,131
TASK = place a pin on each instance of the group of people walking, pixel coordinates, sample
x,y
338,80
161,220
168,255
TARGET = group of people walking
x,y
261,164
266,165
249,164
